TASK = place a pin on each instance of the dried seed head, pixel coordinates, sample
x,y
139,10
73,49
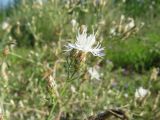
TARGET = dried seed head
x,y
4,71
154,74
85,44
6,51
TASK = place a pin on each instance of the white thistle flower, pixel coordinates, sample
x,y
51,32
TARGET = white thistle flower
x,y
5,25
141,93
94,73
113,31
126,95
1,110
131,24
86,44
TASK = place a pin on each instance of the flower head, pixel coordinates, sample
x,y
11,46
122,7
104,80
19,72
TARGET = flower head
x,y
5,25
94,73
141,93
86,44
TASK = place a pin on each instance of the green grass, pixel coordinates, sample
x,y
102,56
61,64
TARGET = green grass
x,y
135,53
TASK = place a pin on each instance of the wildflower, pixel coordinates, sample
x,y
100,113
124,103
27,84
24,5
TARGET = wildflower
x,y
21,104
142,24
141,93
85,44
73,89
122,17
94,73
5,25
113,31
73,22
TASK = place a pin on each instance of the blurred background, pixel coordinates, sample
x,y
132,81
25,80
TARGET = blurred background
x,y
138,51
6,3
32,38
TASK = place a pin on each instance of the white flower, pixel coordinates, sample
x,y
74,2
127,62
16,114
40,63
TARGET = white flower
x,y
113,31
122,17
40,2
94,73
85,43
5,25
126,95
141,93
73,22
130,25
